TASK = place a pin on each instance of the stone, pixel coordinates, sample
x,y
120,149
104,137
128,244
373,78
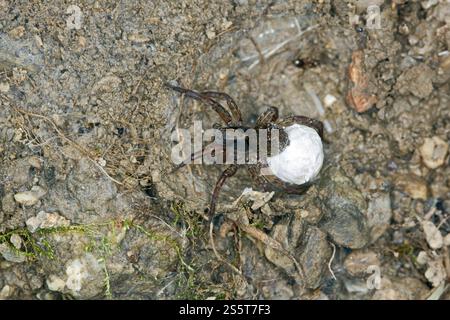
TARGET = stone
x,y
10,254
422,258
356,286
433,152
30,198
427,4
286,232
400,289
6,292
433,235
8,203
329,100
436,272
16,241
4,87
314,256
17,32
35,162
46,220
413,185
416,81
447,240
379,214
344,208
357,263
80,270
55,283
359,95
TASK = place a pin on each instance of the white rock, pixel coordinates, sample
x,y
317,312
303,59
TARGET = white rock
x,y
78,270
55,283
329,100
33,224
26,198
11,255
5,292
302,159
422,258
76,273
433,152
436,273
210,33
4,87
427,4
46,220
29,198
433,235
447,240
16,241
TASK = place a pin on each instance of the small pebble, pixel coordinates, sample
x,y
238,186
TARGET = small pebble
x,y
433,152
210,34
398,237
329,100
379,214
55,283
436,273
46,220
358,262
447,240
433,235
427,4
38,41
422,258
4,87
29,198
17,32
5,292
16,241
413,185
35,162
9,254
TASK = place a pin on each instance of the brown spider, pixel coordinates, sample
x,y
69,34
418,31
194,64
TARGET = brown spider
x,y
269,120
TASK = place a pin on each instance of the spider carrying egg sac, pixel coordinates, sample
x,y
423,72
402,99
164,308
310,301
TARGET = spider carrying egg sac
x,y
302,159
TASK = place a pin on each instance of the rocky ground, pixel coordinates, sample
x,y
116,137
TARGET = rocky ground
x,y
90,205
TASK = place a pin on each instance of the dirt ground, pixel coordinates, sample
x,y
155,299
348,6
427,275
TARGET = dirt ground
x,y
91,208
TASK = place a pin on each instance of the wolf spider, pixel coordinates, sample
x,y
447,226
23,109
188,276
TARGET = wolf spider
x,y
267,120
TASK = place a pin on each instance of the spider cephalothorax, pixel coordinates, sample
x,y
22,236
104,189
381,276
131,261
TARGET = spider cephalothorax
x,y
289,168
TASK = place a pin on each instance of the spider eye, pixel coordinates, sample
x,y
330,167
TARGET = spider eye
x,y
299,63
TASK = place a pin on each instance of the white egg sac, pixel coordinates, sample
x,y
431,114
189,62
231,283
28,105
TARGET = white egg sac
x,y
302,159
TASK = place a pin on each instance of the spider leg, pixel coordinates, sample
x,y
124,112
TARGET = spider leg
x,y
227,173
313,123
217,107
199,154
235,112
267,117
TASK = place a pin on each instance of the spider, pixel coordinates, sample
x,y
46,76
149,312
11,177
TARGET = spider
x,y
292,169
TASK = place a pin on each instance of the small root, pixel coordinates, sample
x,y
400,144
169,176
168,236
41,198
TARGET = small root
x,y
331,261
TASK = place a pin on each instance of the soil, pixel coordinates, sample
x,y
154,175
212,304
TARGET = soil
x,y
92,208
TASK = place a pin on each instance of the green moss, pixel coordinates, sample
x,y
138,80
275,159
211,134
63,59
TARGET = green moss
x,y
102,240
190,221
